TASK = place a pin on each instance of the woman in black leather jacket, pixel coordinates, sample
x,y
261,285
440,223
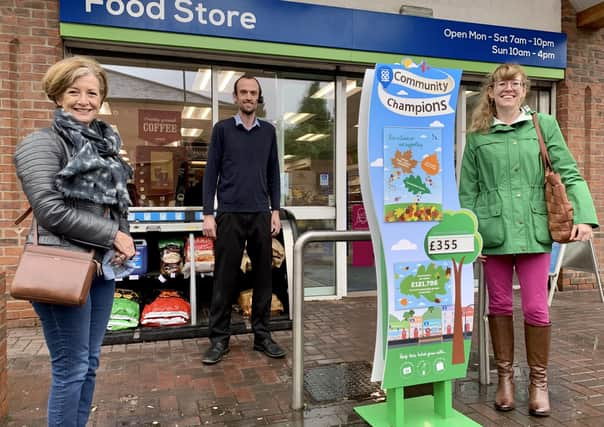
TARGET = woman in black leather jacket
x,y
75,182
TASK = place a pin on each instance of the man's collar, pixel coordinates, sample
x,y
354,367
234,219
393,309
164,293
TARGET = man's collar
x,y
239,122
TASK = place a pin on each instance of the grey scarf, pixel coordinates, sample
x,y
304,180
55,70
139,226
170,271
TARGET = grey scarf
x,y
95,171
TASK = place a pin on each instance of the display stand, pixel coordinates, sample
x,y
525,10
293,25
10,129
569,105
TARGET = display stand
x,y
154,224
434,411
426,286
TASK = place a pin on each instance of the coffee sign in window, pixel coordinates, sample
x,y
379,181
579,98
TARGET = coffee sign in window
x,y
159,127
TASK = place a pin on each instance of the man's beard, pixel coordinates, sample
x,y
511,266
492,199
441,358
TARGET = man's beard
x,y
248,110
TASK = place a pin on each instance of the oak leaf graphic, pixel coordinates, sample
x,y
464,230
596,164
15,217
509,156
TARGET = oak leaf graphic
x,y
415,185
404,161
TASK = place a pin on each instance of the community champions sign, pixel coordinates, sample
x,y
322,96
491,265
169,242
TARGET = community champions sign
x,y
426,298
313,25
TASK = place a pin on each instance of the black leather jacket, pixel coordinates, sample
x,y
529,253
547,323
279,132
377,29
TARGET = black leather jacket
x,y
70,223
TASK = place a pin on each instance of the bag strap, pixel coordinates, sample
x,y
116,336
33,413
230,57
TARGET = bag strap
x,y
34,224
23,216
547,164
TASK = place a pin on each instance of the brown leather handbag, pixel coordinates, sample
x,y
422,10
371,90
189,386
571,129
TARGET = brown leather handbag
x,y
559,208
52,275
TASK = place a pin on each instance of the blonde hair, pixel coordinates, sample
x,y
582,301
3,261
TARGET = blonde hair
x,y
484,112
61,75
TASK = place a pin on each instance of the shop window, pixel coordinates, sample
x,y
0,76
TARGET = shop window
x,y
164,118
307,125
302,112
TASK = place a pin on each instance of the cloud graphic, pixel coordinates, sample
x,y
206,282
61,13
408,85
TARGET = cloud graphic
x,y
408,63
439,149
423,136
436,124
378,163
404,245
425,155
402,92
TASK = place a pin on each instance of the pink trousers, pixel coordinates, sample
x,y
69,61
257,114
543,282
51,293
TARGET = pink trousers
x,y
532,271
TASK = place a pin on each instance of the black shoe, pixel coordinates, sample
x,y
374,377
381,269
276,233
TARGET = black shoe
x,y
269,347
215,353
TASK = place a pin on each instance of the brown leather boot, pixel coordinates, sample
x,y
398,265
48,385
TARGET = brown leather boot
x,y
502,336
537,339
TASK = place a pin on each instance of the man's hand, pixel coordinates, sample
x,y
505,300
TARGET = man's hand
x,y
209,226
275,223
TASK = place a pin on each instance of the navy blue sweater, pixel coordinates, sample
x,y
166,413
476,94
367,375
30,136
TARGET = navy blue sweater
x,y
243,166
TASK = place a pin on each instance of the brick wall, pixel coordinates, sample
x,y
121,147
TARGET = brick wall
x,y
3,356
580,111
29,44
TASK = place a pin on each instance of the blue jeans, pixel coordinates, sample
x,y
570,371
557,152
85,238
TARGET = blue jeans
x,y
74,336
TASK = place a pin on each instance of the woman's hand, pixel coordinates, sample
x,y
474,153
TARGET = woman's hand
x,y
124,245
119,258
581,232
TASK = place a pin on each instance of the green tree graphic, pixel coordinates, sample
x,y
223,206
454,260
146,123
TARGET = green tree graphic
x,y
428,282
459,224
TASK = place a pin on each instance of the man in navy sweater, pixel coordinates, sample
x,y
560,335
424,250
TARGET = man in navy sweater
x,y
243,170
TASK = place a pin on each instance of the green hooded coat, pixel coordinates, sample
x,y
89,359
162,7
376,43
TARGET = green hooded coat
x,y
502,182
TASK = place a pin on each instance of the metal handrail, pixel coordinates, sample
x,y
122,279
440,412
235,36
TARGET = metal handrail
x,y
483,328
298,301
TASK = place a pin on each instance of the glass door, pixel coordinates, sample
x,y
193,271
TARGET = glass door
x,y
359,259
307,130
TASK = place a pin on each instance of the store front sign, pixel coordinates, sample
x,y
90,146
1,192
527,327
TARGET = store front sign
x,y
313,25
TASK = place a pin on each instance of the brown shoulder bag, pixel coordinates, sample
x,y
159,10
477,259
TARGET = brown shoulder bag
x,y
559,209
51,274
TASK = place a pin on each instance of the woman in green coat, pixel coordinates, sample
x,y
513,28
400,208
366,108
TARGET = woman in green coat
x,y
502,182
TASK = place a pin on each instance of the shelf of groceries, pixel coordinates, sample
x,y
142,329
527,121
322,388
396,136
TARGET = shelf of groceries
x,y
168,293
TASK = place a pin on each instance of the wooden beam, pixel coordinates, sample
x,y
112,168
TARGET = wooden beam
x,y
591,18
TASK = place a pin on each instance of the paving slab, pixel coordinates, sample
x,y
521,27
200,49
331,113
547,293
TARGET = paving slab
x,y
164,383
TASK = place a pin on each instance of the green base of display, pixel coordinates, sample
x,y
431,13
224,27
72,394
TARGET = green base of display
x,y
419,411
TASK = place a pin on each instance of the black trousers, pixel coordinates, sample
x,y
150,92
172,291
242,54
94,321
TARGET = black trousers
x,y
232,233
